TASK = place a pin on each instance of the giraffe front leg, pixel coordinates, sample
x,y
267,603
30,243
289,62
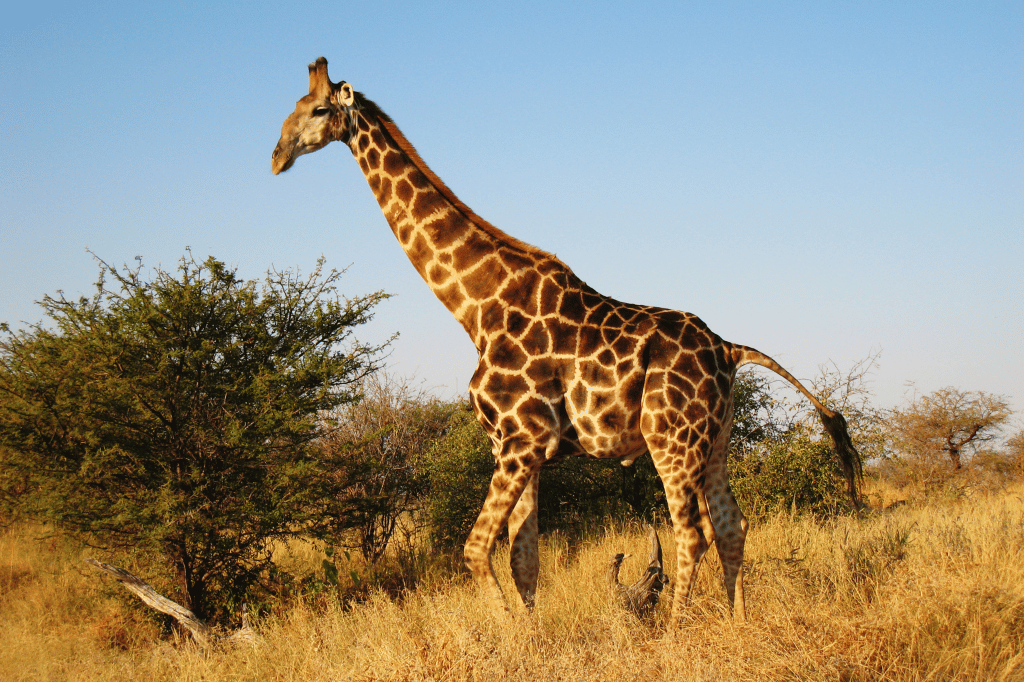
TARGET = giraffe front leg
x,y
522,532
504,493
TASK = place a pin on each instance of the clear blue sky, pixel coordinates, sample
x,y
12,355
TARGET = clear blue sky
x,y
816,180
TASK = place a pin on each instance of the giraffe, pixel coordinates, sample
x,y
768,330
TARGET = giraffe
x,y
563,370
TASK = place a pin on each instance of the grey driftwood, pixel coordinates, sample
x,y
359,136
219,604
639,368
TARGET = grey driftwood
x,y
203,634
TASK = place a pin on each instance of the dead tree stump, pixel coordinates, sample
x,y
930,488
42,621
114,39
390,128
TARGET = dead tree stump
x,y
641,597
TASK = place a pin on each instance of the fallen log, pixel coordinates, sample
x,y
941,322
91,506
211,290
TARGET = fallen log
x,y
203,634
641,597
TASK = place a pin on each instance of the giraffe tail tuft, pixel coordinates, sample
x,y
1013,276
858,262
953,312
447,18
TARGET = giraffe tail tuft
x,y
850,459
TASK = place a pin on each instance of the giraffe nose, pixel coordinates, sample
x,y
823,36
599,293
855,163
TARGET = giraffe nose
x,y
279,162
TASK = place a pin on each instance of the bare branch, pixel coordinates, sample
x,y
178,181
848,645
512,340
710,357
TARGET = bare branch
x,y
202,633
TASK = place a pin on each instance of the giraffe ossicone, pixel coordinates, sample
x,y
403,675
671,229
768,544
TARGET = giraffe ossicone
x,y
563,370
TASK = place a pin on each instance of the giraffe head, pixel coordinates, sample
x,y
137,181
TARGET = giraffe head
x,y
321,117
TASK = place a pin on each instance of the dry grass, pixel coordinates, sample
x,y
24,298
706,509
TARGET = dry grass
x,y
927,592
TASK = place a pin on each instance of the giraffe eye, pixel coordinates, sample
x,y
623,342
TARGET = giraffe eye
x,y
321,111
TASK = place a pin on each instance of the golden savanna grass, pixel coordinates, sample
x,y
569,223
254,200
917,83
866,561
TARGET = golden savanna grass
x,y
930,591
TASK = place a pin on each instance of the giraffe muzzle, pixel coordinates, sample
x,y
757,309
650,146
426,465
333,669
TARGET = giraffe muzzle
x,y
280,161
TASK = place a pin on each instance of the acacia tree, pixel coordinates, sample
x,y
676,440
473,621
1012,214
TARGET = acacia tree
x,y
175,414
949,424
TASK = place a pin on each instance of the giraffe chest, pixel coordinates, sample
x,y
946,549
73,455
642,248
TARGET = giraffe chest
x,y
561,381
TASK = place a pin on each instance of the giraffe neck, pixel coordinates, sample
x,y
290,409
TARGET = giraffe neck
x,y
468,263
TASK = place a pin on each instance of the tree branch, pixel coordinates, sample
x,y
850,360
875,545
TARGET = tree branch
x,y
202,633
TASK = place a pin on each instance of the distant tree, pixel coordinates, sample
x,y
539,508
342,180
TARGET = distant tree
x,y
950,424
1015,450
175,415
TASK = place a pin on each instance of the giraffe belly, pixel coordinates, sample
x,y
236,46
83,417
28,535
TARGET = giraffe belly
x,y
606,427
607,444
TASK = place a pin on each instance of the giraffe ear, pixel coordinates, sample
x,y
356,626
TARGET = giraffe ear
x,y
319,83
344,95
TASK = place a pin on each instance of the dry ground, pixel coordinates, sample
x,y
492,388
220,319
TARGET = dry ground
x,y
921,592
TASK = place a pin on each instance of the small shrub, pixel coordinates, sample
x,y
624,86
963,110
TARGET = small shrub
x,y
796,472
459,468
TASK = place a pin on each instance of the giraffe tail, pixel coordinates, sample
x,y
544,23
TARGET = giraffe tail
x,y
834,423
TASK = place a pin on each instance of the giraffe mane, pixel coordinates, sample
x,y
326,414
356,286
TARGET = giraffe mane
x,y
403,143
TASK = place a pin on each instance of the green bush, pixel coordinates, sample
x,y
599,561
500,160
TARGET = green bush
x,y
577,491
381,440
459,469
797,471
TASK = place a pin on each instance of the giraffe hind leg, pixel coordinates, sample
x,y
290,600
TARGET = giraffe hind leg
x,y
684,505
730,532
691,544
522,532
